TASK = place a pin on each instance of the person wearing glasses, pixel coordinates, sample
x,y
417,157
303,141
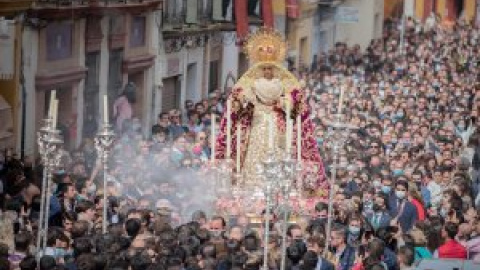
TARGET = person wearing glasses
x,y
176,129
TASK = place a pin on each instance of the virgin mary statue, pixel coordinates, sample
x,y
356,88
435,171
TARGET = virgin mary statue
x,y
261,94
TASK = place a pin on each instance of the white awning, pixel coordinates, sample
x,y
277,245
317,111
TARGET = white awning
x,y
7,49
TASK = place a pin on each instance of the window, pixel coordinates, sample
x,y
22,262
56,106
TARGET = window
x,y
213,77
137,34
59,40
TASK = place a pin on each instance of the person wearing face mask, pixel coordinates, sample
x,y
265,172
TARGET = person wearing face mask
x,y
386,187
355,230
321,213
380,218
403,211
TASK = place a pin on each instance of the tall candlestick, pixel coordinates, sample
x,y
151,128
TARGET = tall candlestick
x,y
239,142
54,113
53,96
288,129
105,109
340,101
270,132
299,138
229,129
212,135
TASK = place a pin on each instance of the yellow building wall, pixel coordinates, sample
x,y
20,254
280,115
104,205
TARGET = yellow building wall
x,y
419,9
441,8
470,9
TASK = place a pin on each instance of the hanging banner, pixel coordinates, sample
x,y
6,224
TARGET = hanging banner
x,y
241,17
7,49
293,10
267,13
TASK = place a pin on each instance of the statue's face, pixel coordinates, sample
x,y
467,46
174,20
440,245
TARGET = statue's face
x,y
268,72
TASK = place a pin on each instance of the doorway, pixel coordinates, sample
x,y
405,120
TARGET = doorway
x,y
171,93
192,87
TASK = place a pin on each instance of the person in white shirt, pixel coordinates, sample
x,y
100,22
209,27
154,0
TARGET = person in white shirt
x,y
436,190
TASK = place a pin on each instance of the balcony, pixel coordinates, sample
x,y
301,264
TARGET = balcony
x,y
55,9
198,15
180,14
82,3
12,7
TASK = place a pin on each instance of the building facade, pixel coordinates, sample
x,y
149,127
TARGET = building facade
x,y
448,10
167,51
84,50
200,49
314,26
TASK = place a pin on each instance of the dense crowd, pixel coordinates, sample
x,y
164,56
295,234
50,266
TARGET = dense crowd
x,y
406,187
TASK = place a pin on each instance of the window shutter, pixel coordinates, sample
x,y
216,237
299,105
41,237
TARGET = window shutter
x,y
192,12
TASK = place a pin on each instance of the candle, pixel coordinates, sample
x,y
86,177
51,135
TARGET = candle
x,y
340,101
288,140
54,113
229,128
212,135
239,142
53,95
270,132
105,109
299,138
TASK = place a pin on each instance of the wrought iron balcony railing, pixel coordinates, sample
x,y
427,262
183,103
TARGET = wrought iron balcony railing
x,y
177,13
80,3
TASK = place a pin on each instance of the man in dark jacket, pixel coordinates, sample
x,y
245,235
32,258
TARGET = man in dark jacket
x,y
345,254
401,209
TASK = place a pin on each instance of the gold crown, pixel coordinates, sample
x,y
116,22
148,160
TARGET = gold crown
x,y
266,45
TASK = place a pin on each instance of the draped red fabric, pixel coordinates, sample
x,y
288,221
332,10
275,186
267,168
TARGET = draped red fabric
x,y
241,17
267,13
293,10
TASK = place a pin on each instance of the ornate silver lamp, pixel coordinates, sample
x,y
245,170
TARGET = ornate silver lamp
x,y
338,135
49,146
104,144
286,188
278,176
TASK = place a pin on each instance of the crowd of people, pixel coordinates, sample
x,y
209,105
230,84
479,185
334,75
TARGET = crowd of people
x,y
406,187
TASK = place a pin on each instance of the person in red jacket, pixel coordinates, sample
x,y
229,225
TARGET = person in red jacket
x,y
416,199
451,249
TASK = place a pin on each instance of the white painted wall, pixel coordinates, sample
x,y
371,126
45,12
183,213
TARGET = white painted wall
x,y
148,110
364,30
77,94
409,8
160,64
30,50
196,57
104,67
230,62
